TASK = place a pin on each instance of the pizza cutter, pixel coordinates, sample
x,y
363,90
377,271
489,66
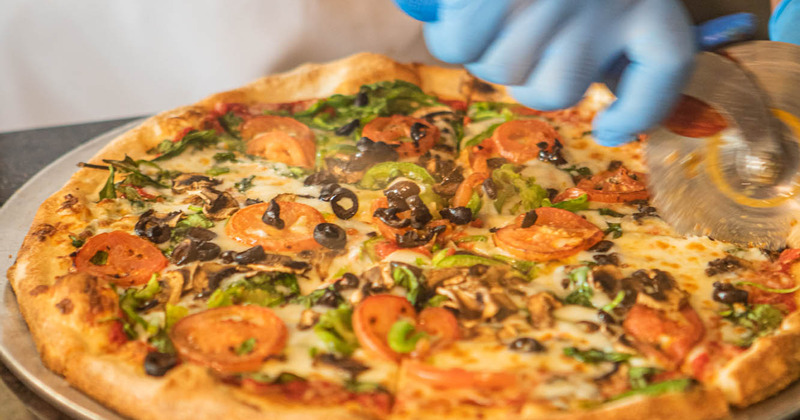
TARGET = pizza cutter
x,y
726,163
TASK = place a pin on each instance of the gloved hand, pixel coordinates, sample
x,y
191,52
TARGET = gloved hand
x,y
550,51
784,26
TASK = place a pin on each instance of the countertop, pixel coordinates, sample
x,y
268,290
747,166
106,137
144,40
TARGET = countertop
x,y
22,155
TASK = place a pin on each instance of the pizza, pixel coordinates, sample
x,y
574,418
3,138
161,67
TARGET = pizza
x,y
370,239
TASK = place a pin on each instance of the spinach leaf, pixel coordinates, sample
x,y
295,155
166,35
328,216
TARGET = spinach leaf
x,y
244,184
674,385
263,289
573,205
583,293
335,329
480,137
168,149
231,122
595,355
109,191
614,229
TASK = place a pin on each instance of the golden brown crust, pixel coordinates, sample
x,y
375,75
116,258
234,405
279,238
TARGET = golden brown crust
x,y
61,332
771,364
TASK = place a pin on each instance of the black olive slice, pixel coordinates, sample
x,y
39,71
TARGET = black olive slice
x,y
200,234
490,188
327,191
228,256
319,178
418,131
158,234
389,216
529,219
158,364
250,256
526,345
330,298
207,251
602,246
272,216
727,293
348,281
330,236
348,128
251,201
361,99
344,194
457,215
185,252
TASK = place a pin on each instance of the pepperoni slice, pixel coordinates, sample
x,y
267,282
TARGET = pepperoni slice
x,y
521,140
124,259
230,339
280,139
616,186
414,135
246,227
555,234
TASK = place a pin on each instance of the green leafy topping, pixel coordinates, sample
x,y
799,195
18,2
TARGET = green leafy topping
x,y
595,355
383,99
582,295
368,247
608,212
674,385
131,300
479,111
231,122
99,258
76,241
217,170
475,203
135,170
759,320
404,277
379,176
195,220
173,314
768,289
109,191
638,376
335,329
511,185
353,385
245,183
263,289
573,205
312,298
168,149
225,157
483,135
471,238
403,336
462,260
614,303
246,347
437,300
161,341
614,229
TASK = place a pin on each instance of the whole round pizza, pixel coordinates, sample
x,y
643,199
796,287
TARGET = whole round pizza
x,y
369,239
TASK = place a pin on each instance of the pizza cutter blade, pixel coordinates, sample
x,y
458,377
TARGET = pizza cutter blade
x,y
739,184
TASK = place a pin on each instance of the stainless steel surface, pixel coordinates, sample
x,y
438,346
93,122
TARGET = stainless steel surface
x,y
738,186
17,349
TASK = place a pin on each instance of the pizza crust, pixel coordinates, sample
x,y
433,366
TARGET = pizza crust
x,y
66,348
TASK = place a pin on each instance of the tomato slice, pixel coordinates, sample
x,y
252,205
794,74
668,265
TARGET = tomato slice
x,y
399,129
616,186
246,227
128,260
280,139
453,378
218,338
440,323
374,317
694,118
521,140
467,187
556,234
674,335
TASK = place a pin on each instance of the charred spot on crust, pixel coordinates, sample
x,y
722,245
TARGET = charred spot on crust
x,y
69,201
38,290
65,306
43,231
723,265
482,87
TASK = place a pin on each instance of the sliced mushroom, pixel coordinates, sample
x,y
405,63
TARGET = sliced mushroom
x,y
155,227
193,182
208,277
308,318
541,306
478,294
218,205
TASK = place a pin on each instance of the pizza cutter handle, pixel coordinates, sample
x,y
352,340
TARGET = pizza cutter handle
x,y
710,35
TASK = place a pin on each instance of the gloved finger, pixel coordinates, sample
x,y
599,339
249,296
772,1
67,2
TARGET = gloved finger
x,y
661,50
571,62
784,26
518,47
465,28
424,10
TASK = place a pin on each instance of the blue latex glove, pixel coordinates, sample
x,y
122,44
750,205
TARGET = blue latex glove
x,y
784,26
550,51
